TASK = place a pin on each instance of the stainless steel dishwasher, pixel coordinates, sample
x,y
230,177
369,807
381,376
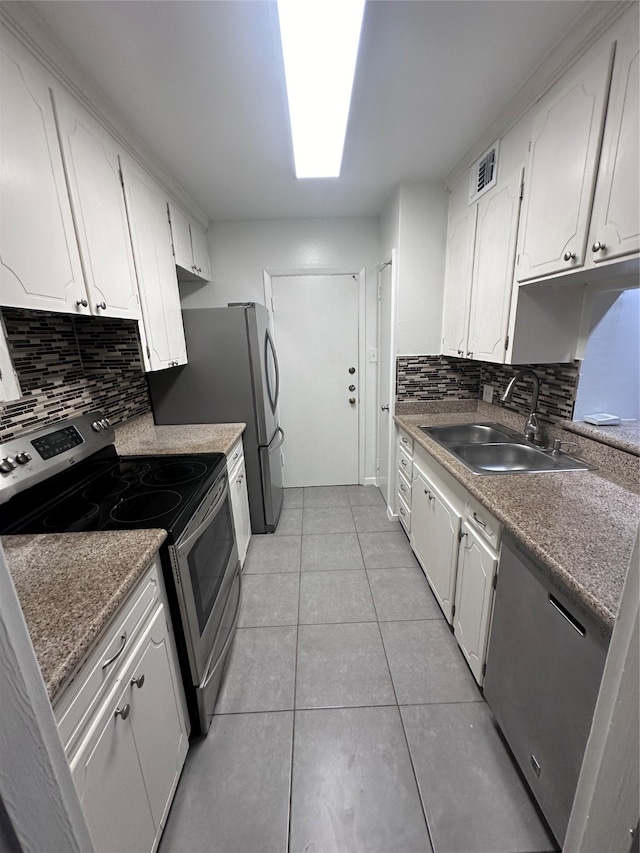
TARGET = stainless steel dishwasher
x,y
544,666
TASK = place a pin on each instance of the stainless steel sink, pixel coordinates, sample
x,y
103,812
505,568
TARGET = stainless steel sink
x,y
493,449
471,433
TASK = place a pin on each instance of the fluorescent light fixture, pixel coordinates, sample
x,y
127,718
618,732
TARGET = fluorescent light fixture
x,y
320,46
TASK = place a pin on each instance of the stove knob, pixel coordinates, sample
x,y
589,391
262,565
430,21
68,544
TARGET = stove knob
x,y
22,458
7,465
104,423
96,426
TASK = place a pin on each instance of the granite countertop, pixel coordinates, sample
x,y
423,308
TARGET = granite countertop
x,y
625,436
141,437
582,525
70,585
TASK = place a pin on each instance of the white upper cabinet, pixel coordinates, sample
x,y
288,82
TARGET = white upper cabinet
x,y
461,234
615,225
494,257
162,331
95,187
563,157
189,247
40,264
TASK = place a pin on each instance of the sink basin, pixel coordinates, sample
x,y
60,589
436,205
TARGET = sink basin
x,y
490,448
471,433
514,458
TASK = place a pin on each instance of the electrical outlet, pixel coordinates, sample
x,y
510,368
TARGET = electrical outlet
x,y
487,393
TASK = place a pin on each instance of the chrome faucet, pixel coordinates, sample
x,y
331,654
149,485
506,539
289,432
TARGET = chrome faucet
x,y
532,428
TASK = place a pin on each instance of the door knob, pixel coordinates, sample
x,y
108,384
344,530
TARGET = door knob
x,y
352,370
352,400
384,408
352,387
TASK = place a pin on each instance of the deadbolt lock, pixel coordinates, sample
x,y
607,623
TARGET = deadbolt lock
x,y
352,387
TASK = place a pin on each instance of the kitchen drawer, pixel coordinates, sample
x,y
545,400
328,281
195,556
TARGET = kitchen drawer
x,y
404,489
404,514
406,443
235,457
97,676
405,464
488,527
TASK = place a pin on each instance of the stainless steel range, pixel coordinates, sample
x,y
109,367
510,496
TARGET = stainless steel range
x,y
68,478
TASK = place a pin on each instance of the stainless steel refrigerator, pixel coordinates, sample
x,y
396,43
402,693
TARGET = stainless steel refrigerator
x,y
232,376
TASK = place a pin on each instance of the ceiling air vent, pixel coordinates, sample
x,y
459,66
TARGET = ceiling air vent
x,y
484,173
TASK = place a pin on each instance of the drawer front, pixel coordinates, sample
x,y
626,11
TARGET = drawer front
x,y
404,514
406,443
235,457
404,489
405,464
488,527
97,675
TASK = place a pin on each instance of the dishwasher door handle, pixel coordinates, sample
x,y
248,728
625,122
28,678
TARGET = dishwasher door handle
x,y
562,610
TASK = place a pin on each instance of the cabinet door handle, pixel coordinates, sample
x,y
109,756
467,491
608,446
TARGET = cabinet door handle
x,y
429,495
82,302
123,643
469,355
123,712
102,305
598,247
569,256
139,681
479,520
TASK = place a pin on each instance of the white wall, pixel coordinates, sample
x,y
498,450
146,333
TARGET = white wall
x,y
610,373
241,251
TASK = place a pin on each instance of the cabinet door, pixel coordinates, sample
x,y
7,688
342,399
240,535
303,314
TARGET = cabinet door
x,y
164,344
494,259
158,726
181,236
9,385
200,252
40,264
477,567
615,228
97,199
240,510
457,283
110,785
435,527
563,156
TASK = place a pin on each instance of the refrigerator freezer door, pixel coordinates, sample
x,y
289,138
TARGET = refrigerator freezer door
x,y
271,469
263,371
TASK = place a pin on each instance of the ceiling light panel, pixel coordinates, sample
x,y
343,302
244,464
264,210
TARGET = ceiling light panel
x,y
320,47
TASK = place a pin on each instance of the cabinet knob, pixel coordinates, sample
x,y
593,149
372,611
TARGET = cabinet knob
x,y
123,712
352,401
569,256
139,681
384,408
598,247
102,305
82,302
469,355
460,352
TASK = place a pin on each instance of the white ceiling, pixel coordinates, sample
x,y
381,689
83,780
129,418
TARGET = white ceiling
x,y
202,83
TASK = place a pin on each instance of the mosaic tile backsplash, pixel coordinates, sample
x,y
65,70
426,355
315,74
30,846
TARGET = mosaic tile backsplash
x,y
438,377
71,365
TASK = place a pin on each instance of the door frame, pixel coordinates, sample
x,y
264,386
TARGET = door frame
x,y
360,277
391,258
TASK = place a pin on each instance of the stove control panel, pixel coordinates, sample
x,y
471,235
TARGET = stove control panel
x,y
31,457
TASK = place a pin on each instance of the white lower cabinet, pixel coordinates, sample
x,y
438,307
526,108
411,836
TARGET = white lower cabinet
x,y
434,538
456,542
239,499
127,754
477,571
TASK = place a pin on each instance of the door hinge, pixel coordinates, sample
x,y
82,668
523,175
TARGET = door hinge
x,y
521,191
121,178
379,291
148,352
506,342
494,582
484,669
461,535
529,145
453,611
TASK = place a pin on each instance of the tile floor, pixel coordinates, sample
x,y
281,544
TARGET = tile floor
x,y
348,719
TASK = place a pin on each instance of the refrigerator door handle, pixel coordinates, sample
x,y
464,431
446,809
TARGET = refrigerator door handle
x,y
280,443
268,344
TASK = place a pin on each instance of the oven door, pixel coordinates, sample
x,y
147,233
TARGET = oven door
x,y
204,561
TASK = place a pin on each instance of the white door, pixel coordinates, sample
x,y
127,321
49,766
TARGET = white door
x,y
386,378
316,332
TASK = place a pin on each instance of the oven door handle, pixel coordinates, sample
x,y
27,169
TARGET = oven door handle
x,y
183,548
211,672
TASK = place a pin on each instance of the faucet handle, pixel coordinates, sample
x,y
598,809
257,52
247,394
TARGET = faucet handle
x,y
557,445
